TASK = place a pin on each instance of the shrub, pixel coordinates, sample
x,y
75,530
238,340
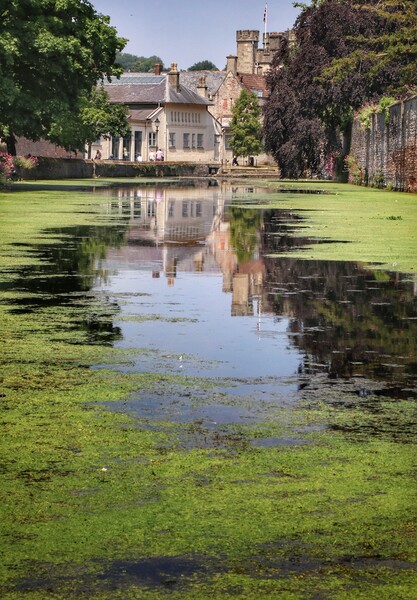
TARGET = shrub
x,y
354,169
9,163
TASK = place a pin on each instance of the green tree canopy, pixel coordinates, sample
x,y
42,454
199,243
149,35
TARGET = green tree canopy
x,y
245,125
391,48
203,65
52,54
138,64
95,117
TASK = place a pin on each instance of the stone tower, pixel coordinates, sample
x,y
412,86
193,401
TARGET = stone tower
x,y
247,46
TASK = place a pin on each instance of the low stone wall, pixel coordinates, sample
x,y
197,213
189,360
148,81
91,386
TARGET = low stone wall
x,y
386,152
75,168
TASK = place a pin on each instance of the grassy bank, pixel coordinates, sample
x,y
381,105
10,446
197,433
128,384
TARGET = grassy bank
x,y
96,504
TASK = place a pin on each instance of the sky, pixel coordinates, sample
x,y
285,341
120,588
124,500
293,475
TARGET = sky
x,y
189,31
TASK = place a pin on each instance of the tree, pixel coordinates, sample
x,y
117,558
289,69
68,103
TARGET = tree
x,y
392,48
307,118
138,64
204,65
52,54
245,125
95,117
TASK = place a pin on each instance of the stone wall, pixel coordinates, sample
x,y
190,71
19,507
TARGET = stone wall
x,y
386,153
74,168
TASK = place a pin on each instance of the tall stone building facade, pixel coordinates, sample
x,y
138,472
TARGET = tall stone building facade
x,y
250,59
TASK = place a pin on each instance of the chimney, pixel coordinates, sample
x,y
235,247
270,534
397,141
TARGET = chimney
x,y
174,77
158,69
231,64
202,86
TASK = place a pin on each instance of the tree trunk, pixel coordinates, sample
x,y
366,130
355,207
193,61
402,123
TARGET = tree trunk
x,y
11,144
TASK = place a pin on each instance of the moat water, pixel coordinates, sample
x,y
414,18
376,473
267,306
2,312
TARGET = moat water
x,y
201,291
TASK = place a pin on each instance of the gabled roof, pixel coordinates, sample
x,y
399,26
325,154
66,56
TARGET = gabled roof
x,y
145,88
255,83
214,79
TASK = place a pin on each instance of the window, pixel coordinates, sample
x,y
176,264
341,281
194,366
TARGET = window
x,y
172,140
115,147
185,209
198,209
152,138
127,140
138,143
200,139
193,140
186,140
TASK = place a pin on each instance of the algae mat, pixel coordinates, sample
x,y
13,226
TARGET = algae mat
x,y
99,504
366,225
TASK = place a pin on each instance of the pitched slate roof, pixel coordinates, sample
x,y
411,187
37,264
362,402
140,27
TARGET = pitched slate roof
x,y
214,79
145,88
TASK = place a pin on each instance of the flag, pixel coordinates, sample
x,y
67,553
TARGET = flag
x,y
265,13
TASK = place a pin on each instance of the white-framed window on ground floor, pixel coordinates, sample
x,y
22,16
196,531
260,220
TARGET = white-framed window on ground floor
x,y
114,153
172,140
138,144
186,140
152,139
200,140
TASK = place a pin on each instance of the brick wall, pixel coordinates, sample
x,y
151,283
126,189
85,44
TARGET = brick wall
x,y
387,151
41,148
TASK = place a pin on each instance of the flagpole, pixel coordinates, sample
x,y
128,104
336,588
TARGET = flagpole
x,y
265,22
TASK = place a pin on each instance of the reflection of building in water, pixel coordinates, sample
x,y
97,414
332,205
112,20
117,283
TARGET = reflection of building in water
x,y
173,230
241,303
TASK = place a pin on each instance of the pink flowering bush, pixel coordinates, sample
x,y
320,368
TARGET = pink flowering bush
x,y
8,164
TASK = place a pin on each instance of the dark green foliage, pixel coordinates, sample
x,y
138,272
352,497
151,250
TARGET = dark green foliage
x,y
392,48
95,117
52,54
308,118
245,125
203,65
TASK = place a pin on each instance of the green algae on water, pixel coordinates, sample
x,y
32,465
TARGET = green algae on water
x,y
100,504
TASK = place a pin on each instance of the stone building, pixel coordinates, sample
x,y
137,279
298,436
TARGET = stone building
x,y
163,114
245,69
250,59
187,113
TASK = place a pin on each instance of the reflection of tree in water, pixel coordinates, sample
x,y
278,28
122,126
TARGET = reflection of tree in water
x,y
349,321
67,272
244,227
